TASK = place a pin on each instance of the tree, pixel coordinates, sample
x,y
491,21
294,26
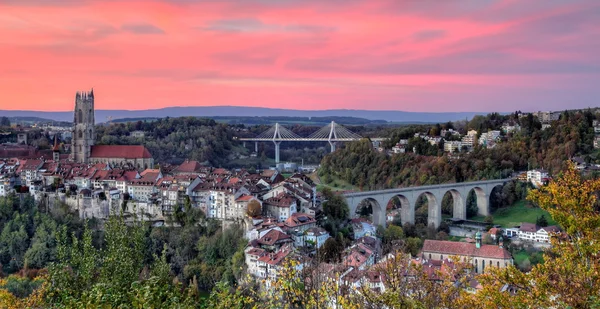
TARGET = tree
x,y
335,207
254,208
541,221
569,276
489,219
392,233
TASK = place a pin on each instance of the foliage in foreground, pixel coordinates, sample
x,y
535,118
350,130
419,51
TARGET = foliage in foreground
x,y
570,274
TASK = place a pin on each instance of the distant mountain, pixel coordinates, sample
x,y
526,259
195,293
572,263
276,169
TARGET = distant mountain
x,y
213,111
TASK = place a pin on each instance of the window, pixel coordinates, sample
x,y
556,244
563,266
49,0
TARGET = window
x,y
80,134
79,117
90,136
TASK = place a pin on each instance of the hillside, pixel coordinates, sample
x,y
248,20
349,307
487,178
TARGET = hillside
x,y
239,111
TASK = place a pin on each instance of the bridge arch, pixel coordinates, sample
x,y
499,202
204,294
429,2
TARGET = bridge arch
x,y
459,205
378,213
407,211
482,200
434,209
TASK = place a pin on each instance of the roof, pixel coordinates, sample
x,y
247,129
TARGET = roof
x,y
244,198
188,167
298,219
275,258
528,227
465,249
281,200
272,237
120,151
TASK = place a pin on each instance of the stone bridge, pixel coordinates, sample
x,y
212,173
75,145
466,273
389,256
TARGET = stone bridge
x,y
408,198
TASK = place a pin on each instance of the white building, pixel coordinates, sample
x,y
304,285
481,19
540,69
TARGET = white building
x,y
537,176
534,233
452,146
316,236
399,148
137,134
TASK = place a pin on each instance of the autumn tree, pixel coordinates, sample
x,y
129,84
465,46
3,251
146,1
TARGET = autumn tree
x,y
570,274
254,208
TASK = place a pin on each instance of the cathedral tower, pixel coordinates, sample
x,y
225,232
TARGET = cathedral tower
x,y
83,127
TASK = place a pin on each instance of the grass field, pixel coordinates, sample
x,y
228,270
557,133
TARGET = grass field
x,y
514,215
520,256
337,185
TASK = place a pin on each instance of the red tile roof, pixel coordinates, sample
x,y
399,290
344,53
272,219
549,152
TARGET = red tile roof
x,y
244,198
274,236
188,167
465,249
120,151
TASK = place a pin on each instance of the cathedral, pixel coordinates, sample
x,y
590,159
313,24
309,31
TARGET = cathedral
x,y
83,149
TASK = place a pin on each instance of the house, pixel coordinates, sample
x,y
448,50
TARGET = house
x,y
509,127
315,236
137,134
537,177
273,240
363,228
252,255
281,206
399,148
359,256
299,221
534,233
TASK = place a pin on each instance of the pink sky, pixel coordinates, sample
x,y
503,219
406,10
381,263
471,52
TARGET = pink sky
x,y
420,55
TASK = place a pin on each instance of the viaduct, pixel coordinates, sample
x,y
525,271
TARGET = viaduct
x,y
408,198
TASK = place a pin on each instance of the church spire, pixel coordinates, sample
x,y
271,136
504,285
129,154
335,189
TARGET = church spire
x,y
55,148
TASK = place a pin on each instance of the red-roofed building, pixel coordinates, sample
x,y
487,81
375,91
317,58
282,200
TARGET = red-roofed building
x,y
136,155
190,167
300,221
480,255
274,239
281,206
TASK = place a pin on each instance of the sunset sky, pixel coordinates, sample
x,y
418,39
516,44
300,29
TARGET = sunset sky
x,y
411,55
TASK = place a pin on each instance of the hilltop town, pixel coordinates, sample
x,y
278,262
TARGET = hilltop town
x,y
285,213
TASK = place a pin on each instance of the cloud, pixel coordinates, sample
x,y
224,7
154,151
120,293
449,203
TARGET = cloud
x,y
253,25
411,55
427,35
142,29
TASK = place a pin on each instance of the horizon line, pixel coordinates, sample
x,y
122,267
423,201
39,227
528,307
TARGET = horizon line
x,y
267,108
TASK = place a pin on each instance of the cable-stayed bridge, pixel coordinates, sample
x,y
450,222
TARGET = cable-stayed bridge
x,y
331,133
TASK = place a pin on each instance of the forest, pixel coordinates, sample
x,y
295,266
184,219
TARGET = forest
x,y
35,241
172,140
359,165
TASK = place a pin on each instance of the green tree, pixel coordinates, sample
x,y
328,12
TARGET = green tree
x,y
335,206
541,221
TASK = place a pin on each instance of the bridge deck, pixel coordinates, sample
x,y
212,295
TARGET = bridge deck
x,y
306,139
430,187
